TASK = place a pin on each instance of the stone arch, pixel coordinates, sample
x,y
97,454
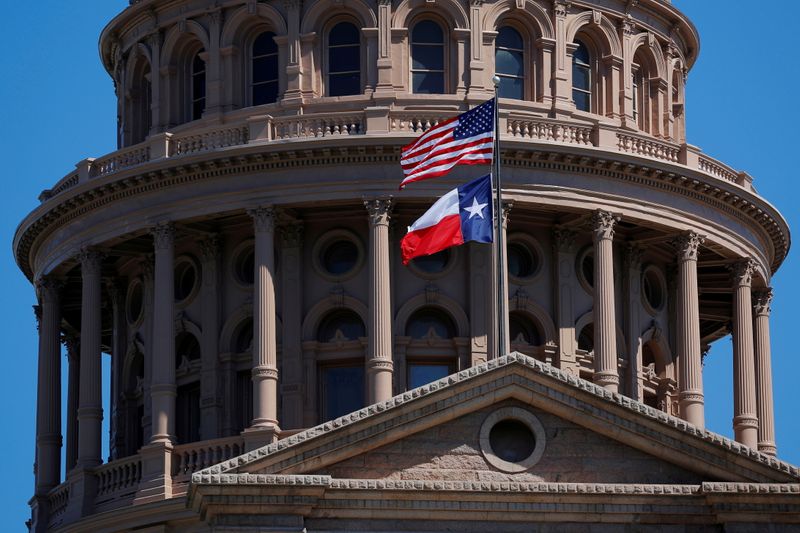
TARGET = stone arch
x,y
599,27
588,318
318,312
531,12
445,303
450,10
322,10
651,50
232,323
537,313
178,38
128,361
242,21
658,343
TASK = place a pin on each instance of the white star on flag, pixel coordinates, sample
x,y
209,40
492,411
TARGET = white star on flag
x,y
475,209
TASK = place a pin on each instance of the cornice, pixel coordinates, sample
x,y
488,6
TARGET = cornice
x,y
251,158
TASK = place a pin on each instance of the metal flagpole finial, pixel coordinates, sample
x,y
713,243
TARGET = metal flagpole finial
x,y
496,80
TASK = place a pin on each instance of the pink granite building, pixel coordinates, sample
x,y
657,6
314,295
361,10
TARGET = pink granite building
x,y
275,367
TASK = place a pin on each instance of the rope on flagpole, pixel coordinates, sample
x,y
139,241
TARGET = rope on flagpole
x,y
502,314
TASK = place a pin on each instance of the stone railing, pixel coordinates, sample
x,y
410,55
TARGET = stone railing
x,y
318,125
189,458
517,125
118,477
717,169
416,122
59,498
641,145
212,139
549,130
121,159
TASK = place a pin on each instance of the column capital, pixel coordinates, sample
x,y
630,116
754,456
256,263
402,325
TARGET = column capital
x,y
292,4
292,235
163,235
633,256
563,239
560,8
48,288
762,302
263,218
742,272
379,210
148,267
507,206
73,345
603,223
209,247
91,261
688,245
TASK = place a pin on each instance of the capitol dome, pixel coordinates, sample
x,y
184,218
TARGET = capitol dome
x,y
274,363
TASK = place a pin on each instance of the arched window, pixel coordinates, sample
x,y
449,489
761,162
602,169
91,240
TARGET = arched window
x,y
344,60
187,404
582,77
522,330
243,338
509,59
427,58
264,69
186,347
430,322
198,85
342,324
586,338
677,106
140,116
641,92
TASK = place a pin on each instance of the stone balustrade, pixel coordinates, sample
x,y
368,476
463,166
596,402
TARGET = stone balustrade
x,y
59,498
117,481
515,125
195,456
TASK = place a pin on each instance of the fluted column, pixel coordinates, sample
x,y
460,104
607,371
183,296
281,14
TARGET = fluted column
x,y
210,404
292,313
379,351
48,398
73,386
632,281
265,365
605,333
162,388
690,382
563,240
745,422
90,405
763,367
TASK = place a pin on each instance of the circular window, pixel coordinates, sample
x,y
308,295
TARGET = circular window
x,y
186,279
523,258
338,255
434,265
135,301
654,290
585,268
244,261
512,439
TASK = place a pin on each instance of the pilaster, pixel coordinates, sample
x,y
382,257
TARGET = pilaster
x,y
210,404
563,240
292,387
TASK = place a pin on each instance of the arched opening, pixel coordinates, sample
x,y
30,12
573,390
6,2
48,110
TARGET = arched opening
x,y
140,102
431,354
582,77
641,73
344,60
198,85
264,69
509,59
342,324
187,404
427,58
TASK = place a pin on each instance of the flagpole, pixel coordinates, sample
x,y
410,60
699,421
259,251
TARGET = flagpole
x,y
502,314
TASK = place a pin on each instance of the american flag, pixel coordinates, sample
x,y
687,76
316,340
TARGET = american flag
x,y
466,139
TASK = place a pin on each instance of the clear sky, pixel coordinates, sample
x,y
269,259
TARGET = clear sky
x,y
60,108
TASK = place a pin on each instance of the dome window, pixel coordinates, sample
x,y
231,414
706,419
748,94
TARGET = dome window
x,y
344,60
264,72
509,59
427,58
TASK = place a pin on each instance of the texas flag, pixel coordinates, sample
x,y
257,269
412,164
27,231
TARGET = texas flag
x,y
463,214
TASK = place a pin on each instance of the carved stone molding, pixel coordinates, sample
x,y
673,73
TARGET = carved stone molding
x,y
602,223
163,235
742,272
263,218
563,239
560,8
49,288
265,372
209,247
91,261
633,256
762,302
688,245
292,235
379,210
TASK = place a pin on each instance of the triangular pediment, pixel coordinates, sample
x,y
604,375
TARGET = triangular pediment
x,y
433,433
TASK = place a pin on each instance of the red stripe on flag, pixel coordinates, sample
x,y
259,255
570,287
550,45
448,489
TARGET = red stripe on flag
x,y
427,241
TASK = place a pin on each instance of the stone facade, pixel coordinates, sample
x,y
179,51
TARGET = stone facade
x,y
273,363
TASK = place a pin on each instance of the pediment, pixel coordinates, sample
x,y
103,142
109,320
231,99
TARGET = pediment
x,y
433,434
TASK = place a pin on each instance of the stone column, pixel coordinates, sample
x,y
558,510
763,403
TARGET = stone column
x,y
73,386
48,397
379,353
265,366
291,278
162,388
690,381
605,322
90,404
118,344
745,422
563,280
763,364
480,272
148,282
210,404
632,273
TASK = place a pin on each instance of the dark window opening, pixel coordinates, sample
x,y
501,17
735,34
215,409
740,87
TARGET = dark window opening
x,y
264,72
342,390
427,321
344,60
427,58
582,77
342,323
198,85
187,413
509,59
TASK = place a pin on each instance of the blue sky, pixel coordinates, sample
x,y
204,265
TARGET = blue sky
x,y
60,108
